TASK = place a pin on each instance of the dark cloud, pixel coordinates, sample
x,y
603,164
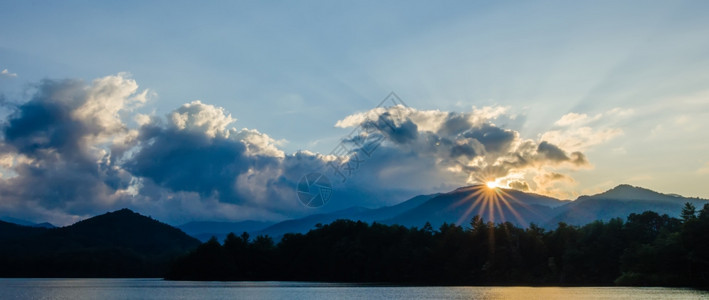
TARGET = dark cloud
x,y
494,139
556,176
55,163
555,154
188,161
578,158
44,126
463,149
552,152
70,155
519,185
195,151
455,124
467,147
396,130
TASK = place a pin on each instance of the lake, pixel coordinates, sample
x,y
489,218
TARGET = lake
x,y
76,289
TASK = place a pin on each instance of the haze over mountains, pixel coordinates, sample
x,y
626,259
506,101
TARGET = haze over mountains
x,y
454,207
26,223
458,207
126,244
204,230
498,205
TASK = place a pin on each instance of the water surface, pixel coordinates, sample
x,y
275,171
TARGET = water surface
x,y
77,289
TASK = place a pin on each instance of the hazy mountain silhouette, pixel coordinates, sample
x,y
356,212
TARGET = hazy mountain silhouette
x,y
26,223
457,206
517,207
126,244
204,230
497,205
619,202
117,244
11,231
304,224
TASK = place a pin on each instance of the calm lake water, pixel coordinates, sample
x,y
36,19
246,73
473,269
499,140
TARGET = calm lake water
x,y
76,289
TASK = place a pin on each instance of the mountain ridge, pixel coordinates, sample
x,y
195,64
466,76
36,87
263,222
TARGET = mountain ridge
x,y
619,202
22,222
122,243
204,230
451,207
630,192
530,208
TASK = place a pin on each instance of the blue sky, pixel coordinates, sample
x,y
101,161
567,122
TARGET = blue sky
x,y
623,82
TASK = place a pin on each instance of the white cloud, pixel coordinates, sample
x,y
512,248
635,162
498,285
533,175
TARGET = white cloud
x,y
576,119
258,143
467,146
579,131
580,139
554,184
142,119
105,98
193,159
488,113
427,120
7,73
67,164
581,119
199,117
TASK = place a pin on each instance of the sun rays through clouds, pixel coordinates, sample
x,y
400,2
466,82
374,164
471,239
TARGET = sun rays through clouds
x,y
196,159
492,203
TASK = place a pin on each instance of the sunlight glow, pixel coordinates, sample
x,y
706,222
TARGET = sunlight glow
x,y
491,203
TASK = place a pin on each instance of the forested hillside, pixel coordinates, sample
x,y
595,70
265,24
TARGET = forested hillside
x,y
645,249
117,244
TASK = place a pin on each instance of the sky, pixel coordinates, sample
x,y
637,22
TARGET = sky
x,y
215,111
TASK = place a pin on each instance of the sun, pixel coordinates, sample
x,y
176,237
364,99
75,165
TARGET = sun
x,y
492,184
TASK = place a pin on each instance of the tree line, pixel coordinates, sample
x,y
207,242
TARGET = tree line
x,y
647,249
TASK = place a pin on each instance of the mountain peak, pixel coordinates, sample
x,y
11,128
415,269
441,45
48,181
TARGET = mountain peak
x,y
628,187
469,188
120,216
122,243
125,211
629,192
130,229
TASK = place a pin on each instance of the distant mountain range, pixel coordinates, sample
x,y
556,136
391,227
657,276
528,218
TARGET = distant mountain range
x,y
458,207
498,205
619,202
126,244
26,223
462,204
117,244
207,229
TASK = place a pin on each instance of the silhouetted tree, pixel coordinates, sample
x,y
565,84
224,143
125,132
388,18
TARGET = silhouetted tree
x,y
688,212
648,249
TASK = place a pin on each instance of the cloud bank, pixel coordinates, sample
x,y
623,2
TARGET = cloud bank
x,y
68,153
